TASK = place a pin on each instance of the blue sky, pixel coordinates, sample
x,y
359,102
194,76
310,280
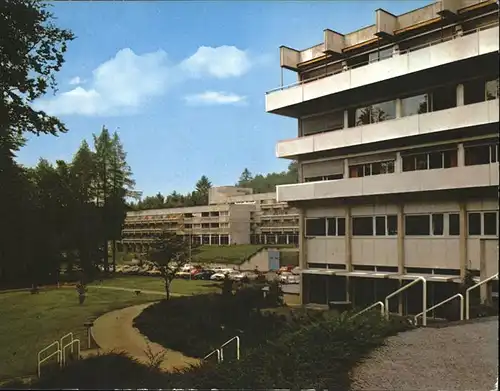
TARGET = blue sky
x,y
183,83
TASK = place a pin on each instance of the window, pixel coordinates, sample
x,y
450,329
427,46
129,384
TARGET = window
x,y
380,55
324,178
490,222
417,225
340,226
316,227
481,154
474,223
378,168
474,91
430,160
380,225
362,226
454,224
392,225
438,224
444,98
492,89
414,105
323,123
376,113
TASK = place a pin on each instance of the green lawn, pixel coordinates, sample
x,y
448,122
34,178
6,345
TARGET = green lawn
x,y
179,286
28,322
234,254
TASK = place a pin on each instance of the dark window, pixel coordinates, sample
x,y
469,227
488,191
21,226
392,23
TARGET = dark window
x,y
454,224
474,91
450,158
368,169
414,105
376,113
474,223
380,55
492,89
362,226
380,225
316,227
480,154
438,224
421,162
430,160
332,226
417,225
392,225
341,226
324,178
444,98
435,160
490,223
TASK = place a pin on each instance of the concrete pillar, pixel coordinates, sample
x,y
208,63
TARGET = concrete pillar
x,y
401,252
460,95
485,289
287,239
398,164
210,239
346,119
346,168
302,255
463,239
265,239
399,108
276,239
219,241
348,250
460,155
229,239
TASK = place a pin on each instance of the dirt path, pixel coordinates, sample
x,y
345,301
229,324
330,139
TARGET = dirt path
x,y
115,331
462,357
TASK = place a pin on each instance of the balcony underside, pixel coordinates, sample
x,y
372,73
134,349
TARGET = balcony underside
x,y
426,67
475,177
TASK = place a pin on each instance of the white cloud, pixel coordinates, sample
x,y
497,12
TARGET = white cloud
x,y
127,81
214,98
75,81
220,62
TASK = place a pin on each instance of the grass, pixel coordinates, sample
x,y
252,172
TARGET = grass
x,y
179,286
233,254
31,322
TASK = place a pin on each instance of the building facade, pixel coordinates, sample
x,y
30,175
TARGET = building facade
x,y
233,216
398,152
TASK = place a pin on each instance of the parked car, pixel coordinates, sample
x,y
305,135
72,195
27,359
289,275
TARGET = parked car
x,y
203,275
183,274
220,275
283,269
289,278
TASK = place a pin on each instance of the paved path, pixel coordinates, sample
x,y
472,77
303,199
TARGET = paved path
x,y
115,331
461,357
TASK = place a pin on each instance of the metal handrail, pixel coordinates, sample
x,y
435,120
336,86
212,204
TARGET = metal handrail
x,y
63,348
40,360
424,297
211,353
378,303
406,51
467,298
237,347
459,295
62,345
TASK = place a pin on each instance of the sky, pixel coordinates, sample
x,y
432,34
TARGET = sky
x,y
183,83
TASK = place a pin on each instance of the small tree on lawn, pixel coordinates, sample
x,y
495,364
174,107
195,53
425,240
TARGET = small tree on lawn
x,y
169,253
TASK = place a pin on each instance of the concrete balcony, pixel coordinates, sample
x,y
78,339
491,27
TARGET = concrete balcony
x,y
434,122
441,53
402,182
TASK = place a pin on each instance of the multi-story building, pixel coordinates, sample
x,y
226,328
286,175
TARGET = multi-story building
x,y
398,152
233,216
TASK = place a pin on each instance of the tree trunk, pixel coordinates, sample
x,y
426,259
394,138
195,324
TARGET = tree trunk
x,y
167,288
114,254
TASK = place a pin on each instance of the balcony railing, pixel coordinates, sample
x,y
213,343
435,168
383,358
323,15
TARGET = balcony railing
x,y
415,48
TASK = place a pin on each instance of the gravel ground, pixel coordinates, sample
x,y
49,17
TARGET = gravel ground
x,y
461,357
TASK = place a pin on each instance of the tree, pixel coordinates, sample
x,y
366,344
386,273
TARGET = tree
x,y
245,177
169,253
31,52
203,187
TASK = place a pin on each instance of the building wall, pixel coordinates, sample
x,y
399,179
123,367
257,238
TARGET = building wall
x,y
424,252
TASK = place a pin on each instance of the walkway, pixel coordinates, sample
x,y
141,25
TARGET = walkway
x,y
114,331
461,357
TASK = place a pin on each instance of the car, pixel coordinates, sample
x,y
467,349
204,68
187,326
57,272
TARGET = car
x,y
203,275
183,274
283,269
220,275
289,278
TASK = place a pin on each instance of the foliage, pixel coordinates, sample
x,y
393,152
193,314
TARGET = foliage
x,y
267,183
311,352
170,253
